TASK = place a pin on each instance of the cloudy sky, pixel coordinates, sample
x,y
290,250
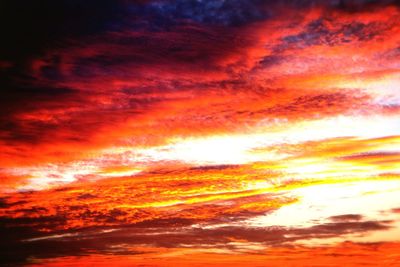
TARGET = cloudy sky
x,y
195,132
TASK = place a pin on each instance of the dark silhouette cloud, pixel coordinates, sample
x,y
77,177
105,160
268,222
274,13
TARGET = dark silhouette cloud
x,y
169,233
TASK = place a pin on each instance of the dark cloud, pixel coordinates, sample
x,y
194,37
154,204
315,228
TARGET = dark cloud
x,y
353,6
320,32
215,167
220,12
315,105
170,233
344,227
86,196
30,27
24,98
271,60
125,55
346,217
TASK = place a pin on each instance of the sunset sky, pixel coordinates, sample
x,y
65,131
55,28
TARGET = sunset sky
x,y
200,133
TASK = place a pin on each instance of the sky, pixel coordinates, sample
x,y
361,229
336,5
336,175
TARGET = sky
x,y
195,132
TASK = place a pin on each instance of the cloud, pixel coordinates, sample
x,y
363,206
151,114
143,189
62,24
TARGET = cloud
x,y
167,208
172,124
173,233
319,33
396,210
346,217
229,13
109,78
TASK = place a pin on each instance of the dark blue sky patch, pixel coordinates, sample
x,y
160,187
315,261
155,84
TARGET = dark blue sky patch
x,y
220,12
